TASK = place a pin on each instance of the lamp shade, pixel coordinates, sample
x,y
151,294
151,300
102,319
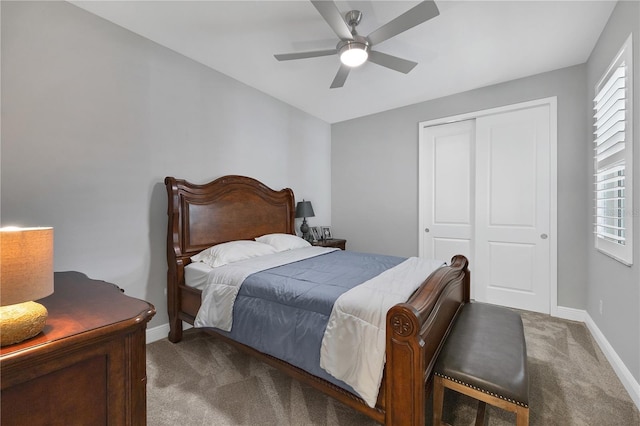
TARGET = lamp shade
x,y
304,209
353,55
26,264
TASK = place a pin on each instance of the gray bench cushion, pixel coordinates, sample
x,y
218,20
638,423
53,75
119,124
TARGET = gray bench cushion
x,y
486,350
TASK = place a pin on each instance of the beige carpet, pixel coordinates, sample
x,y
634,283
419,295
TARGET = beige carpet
x,y
202,381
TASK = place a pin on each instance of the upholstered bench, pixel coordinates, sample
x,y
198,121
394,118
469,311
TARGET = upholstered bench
x,y
485,357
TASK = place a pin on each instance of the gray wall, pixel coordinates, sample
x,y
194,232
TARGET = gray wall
x,y
93,119
374,186
617,285
375,171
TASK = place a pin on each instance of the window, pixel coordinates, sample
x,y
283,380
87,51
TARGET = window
x,y
613,159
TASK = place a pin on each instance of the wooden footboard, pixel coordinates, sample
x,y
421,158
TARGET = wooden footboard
x,y
235,208
416,331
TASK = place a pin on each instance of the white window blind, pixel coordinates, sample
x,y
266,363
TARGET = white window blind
x,y
613,159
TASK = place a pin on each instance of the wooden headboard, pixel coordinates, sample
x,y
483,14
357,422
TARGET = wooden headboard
x,y
227,209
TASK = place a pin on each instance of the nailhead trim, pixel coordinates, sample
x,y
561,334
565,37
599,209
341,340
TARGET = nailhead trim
x,y
482,390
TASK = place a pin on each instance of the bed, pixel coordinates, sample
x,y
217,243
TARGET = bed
x,y
235,208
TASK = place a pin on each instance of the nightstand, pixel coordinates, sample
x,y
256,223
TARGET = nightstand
x,y
88,366
333,242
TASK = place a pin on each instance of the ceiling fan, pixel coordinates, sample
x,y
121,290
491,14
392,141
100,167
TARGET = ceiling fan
x,y
354,49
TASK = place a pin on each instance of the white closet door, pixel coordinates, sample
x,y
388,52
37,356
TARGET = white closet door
x,y
447,190
512,220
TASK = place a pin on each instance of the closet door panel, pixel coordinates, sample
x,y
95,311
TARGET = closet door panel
x,y
447,191
512,209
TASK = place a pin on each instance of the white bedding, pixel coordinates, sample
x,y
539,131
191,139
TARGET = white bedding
x,y
359,315
196,275
220,285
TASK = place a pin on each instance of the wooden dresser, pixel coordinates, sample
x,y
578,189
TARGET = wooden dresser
x,y
88,366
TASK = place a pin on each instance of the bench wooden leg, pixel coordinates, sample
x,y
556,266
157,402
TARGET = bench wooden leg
x,y
438,399
480,415
522,416
440,383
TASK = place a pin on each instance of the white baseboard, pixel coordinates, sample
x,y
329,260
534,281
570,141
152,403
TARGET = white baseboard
x,y
628,381
570,314
162,331
157,333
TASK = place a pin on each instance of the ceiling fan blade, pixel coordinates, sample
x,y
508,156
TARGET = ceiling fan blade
x,y
331,14
304,55
392,62
414,16
340,77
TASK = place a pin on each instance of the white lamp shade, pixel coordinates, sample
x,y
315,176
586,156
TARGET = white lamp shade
x,y
353,56
26,265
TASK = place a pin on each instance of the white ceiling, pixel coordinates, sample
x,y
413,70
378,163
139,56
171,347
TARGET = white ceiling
x,y
470,44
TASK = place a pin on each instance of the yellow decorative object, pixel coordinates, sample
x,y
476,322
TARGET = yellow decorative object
x,y
26,274
21,321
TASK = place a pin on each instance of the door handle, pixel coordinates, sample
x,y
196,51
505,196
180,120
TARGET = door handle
x,y
426,229
544,236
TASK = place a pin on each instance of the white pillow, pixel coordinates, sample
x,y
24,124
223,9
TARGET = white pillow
x,y
222,254
282,242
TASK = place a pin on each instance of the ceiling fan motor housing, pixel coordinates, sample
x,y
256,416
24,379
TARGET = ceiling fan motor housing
x,y
358,42
353,18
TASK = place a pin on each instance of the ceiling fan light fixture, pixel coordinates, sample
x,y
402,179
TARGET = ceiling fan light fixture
x,y
353,54
353,49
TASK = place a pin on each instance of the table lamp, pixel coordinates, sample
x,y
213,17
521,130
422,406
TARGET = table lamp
x,y
26,274
305,210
